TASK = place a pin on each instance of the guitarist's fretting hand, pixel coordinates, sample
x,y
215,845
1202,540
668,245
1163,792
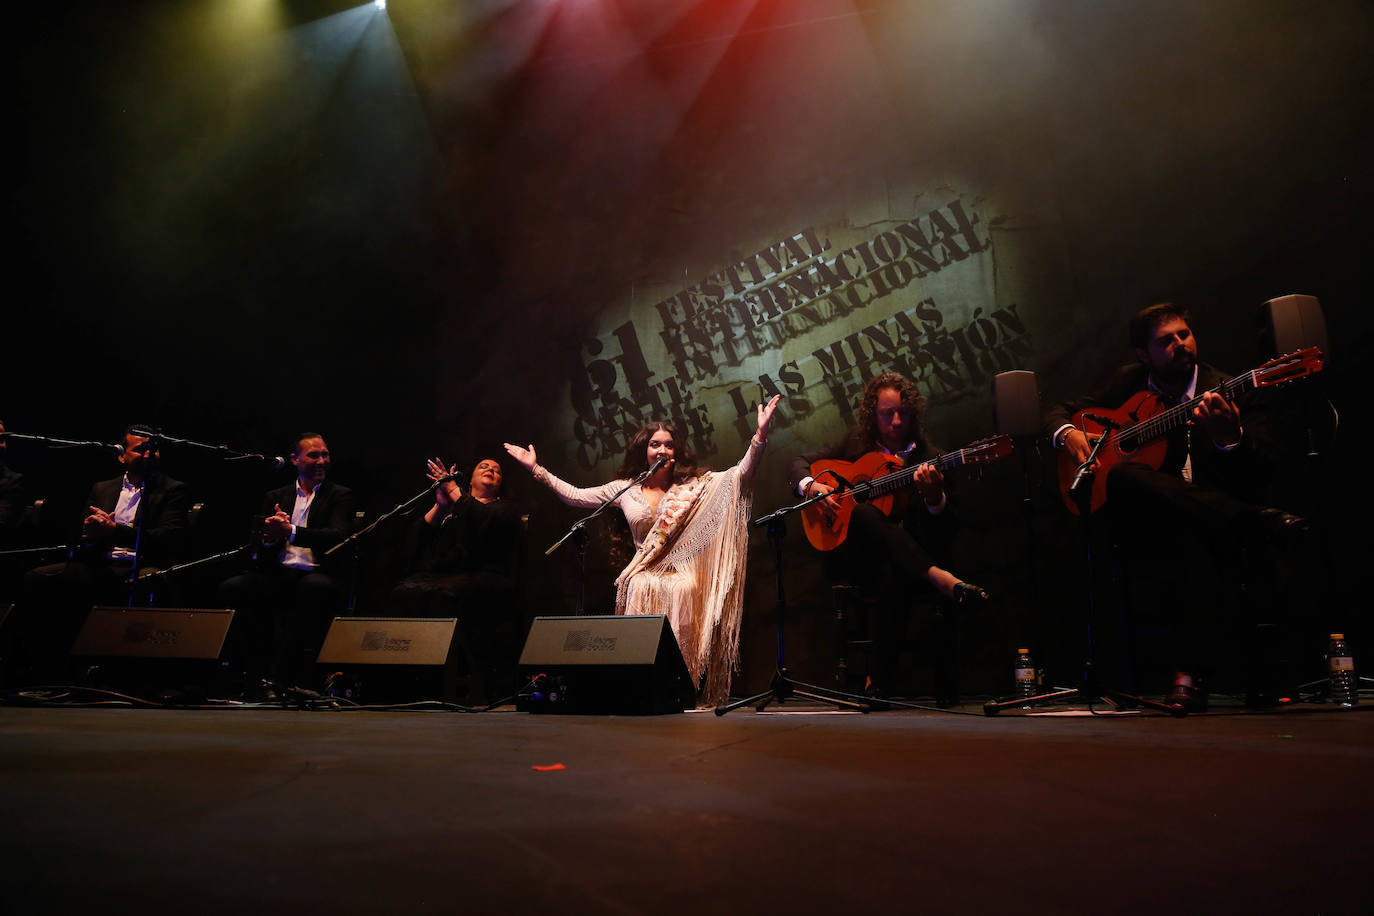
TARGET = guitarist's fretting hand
x,y
1220,418
930,483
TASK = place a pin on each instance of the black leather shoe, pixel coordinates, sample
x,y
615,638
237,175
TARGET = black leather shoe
x,y
1284,529
1186,694
966,594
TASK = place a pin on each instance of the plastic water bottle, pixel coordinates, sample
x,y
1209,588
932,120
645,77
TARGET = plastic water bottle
x,y
1025,677
1340,672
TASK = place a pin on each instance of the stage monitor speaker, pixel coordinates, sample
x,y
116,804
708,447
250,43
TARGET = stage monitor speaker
x,y
170,653
622,665
187,633
1291,323
393,659
1016,403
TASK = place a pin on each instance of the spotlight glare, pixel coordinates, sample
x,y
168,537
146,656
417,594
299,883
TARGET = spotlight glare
x,y
380,4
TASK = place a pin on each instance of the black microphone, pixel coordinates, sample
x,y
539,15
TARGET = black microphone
x,y
1102,421
657,466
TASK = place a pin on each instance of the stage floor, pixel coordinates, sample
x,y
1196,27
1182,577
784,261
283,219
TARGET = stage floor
x,y
795,810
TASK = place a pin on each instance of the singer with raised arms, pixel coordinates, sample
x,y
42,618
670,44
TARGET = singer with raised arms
x,y
691,534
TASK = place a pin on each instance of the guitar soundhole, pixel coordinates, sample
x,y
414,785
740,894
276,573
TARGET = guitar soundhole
x,y
1127,443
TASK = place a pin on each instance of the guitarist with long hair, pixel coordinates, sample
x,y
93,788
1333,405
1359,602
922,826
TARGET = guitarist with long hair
x,y
1188,491
892,556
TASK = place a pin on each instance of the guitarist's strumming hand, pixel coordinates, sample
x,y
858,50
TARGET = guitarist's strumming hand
x,y
1078,445
829,506
1220,418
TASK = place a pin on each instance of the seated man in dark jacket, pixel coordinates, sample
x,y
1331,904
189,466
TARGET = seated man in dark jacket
x,y
286,602
1189,522
136,520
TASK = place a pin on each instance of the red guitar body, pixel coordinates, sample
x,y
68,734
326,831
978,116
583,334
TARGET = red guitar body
x,y
827,529
1141,406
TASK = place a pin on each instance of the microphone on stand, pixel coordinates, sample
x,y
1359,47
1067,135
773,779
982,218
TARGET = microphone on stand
x,y
277,462
1103,422
657,466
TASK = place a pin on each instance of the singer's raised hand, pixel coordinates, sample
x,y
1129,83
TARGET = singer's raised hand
x,y
525,455
766,416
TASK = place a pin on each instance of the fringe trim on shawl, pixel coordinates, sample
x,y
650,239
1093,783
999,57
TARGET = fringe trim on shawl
x,y
691,568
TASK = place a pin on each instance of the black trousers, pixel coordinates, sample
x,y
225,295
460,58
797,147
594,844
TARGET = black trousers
x,y
489,618
280,620
889,565
1197,561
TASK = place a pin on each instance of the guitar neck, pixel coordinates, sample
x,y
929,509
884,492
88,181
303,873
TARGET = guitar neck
x,y
1164,423
890,483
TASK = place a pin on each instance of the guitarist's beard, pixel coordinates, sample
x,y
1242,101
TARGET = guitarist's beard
x,y
1176,374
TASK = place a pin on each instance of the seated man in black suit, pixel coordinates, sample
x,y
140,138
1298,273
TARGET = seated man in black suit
x,y
135,520
285,603
466,563
1182,525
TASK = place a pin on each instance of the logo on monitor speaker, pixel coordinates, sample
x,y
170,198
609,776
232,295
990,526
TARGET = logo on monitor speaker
x,y
147,634
378,641
584,641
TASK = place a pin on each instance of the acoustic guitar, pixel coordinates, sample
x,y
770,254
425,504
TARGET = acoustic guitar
x,y
877,478
1139,429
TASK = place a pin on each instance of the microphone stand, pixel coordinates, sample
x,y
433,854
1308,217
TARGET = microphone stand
x,y
53,442
394,511
177,568
783,687
578,533
223,451
157,439
1089,689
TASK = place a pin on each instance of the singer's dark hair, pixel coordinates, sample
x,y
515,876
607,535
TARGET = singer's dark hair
x,y
143,430
911,400
301,437
637,452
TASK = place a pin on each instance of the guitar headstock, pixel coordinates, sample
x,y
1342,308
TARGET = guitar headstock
x,y
1289,367
990,449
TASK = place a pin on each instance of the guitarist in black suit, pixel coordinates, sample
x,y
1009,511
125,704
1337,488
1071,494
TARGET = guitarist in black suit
x,y
1205,497
892,557
286,602
1220,451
